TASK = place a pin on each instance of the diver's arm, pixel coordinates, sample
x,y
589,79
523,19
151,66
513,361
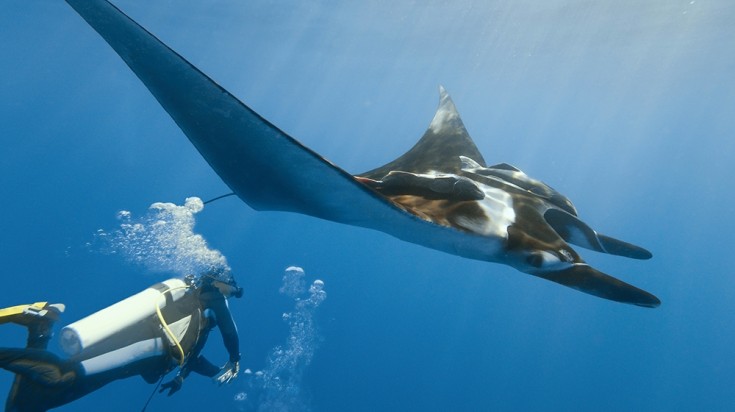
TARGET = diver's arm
x,y
230,338
227,328
198,364
202,366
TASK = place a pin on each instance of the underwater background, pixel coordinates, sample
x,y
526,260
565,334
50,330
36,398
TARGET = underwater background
x,y
626,107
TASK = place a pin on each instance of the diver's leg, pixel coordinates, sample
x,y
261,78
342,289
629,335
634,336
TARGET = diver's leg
x,y
42,379
38,318
37,365
36,371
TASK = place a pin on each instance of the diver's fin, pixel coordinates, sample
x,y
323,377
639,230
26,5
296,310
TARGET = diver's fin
x,y
443,143
13,312
577,232
27,314
585,278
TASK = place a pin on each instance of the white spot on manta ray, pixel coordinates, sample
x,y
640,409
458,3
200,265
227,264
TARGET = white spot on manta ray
x,y
469,165
497,207
499,214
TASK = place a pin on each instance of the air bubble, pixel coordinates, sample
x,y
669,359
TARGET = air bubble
x,y
164,240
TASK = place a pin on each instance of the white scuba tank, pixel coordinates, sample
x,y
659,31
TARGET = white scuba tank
x,y
114,319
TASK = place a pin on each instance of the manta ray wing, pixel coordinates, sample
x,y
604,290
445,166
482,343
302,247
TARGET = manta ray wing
x,y
265,167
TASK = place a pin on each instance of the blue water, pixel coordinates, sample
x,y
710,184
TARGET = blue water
x,y
626,107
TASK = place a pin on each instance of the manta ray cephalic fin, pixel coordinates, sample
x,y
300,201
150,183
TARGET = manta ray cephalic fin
x,y
574,231
590,280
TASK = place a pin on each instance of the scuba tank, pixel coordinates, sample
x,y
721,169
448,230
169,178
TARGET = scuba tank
x,y
130,321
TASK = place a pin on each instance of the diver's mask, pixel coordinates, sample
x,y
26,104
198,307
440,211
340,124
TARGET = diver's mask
x,y
228,289
224,282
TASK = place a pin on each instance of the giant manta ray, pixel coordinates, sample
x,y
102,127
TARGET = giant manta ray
x,y
440,194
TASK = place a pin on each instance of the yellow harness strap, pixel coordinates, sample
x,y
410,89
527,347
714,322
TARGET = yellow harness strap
x,y
168,330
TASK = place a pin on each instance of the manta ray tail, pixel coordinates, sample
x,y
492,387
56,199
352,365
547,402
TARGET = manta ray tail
x,y
586,279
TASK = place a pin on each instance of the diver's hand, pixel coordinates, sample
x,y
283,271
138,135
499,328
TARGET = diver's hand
x,y
227,373
173,385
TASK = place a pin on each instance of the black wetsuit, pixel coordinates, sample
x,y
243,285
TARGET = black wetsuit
x,y
44,380
211,299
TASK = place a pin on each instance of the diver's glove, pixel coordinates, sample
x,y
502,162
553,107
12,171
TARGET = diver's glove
x,y
227,373
173,385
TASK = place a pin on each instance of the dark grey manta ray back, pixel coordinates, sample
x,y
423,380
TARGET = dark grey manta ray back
x,y
440,194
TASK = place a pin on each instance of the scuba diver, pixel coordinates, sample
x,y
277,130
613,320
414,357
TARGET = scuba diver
x,y
164,327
